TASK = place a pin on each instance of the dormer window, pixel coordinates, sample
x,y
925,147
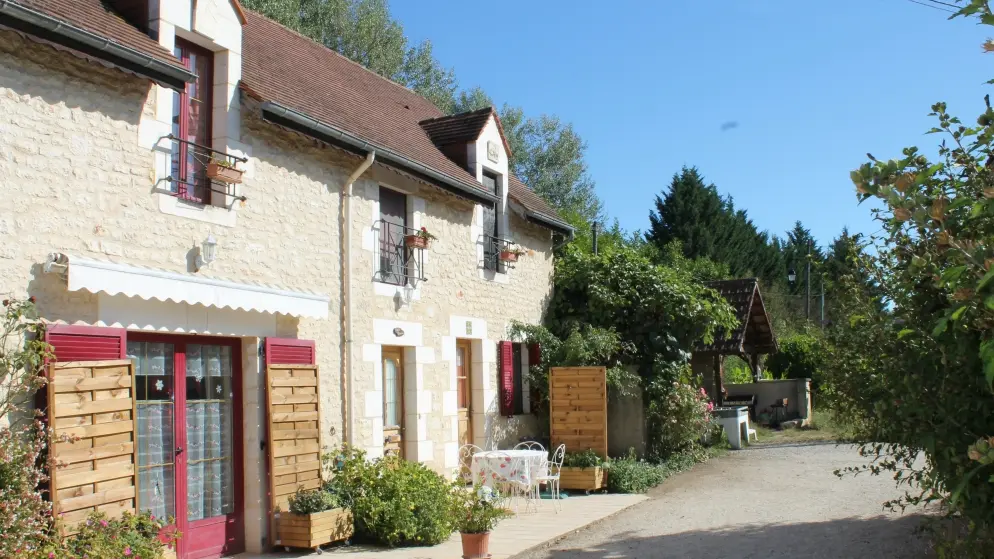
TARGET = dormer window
x,y
192,125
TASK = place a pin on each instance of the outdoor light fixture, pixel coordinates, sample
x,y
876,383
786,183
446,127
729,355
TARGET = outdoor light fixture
x,y
791,276
208,251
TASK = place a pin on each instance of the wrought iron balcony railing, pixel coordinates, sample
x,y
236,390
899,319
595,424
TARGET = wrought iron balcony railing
x,y
493,247
198,172
401,260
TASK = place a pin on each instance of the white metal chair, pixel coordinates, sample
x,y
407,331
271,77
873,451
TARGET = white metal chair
x,y
529,445
551,476
466,453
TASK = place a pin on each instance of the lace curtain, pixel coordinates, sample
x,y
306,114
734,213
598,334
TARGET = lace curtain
x,y
208,431
154,392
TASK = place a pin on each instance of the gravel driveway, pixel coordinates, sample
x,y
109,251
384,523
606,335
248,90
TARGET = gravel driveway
x,y
763,502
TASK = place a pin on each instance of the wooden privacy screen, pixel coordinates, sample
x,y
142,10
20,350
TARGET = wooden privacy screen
x,y
94,403
578,408
294,431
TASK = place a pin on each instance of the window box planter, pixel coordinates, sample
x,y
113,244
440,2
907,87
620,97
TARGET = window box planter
x,y
416,241
313,530
509,256
221,173
585,479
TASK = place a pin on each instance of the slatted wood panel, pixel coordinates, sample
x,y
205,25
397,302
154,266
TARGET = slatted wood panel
x,y
94,403
294,431
578,408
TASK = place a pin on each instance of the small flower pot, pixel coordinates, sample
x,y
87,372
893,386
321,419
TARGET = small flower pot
x,y
475,546
313,530
585,479
416,241
229,175
508,256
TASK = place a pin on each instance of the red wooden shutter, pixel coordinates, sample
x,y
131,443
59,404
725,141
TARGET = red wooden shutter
x,y
289,351
86,343
506,377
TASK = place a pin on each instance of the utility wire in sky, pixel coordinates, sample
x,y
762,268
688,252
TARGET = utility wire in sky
x,y
933,5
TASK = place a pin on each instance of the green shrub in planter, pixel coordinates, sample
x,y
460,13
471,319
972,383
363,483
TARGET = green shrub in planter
x,y
586,459
310,501
394,502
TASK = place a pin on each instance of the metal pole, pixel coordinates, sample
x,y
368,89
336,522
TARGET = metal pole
x,y
823,302
807,287
594,229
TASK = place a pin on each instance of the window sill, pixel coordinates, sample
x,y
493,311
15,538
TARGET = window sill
x,y
173,205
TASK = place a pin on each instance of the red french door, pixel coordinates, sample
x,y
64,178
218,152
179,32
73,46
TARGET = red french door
x,y
189,431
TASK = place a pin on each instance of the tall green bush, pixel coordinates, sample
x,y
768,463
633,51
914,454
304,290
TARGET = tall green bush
x,y
678,416
917,377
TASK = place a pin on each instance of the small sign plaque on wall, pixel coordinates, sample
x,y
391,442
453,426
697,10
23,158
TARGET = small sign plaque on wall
x,y
469,327
493,154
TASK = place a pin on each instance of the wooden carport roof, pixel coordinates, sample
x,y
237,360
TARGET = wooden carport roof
x,y
754,334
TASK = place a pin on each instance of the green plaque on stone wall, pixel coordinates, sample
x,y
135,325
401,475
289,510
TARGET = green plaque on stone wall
x,y
469,327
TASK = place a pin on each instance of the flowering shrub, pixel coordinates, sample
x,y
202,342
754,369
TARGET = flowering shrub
x,y
25,517
477,510
133,536
424,234
677,417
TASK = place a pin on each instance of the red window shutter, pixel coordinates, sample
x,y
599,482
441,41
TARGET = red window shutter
x,y
86,343
290,351
534,354
506,377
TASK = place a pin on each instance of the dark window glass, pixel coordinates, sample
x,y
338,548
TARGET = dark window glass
x,y
192,122
519,403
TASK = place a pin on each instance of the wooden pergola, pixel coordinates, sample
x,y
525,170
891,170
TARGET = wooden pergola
x,y
753,337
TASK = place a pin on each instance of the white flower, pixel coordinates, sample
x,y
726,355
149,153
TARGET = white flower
x,y
485,493
159,384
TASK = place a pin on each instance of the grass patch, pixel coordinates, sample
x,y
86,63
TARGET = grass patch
x,y
822,428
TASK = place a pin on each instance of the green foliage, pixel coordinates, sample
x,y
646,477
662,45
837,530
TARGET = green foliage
x,y
25,516
586,459
678,416
800,356
310,501
100,537
477,510
657,312
22,359
709,226
633,475
916,377
394,502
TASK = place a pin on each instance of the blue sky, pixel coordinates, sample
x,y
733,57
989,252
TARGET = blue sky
x,y
813,86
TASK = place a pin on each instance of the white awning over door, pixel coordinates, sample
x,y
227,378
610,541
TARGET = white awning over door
x,y
100,276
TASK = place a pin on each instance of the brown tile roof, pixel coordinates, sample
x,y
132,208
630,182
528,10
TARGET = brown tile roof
x,y
755,329
93,16
462,128
282,66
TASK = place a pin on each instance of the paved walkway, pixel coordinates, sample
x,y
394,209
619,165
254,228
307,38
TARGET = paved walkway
x,y
513,535
762,503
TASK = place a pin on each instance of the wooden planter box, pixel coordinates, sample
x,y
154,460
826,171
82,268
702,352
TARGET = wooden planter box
x,y
313,530
508,256
586,479
416,241
224,174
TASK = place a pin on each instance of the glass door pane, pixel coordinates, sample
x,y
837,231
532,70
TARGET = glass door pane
x,y
209,475
391,392
156,406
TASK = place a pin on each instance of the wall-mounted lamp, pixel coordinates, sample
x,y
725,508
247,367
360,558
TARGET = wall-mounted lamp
x,y
208,251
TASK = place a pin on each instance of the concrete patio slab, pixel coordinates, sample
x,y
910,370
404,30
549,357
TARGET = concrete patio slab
x,y
512,536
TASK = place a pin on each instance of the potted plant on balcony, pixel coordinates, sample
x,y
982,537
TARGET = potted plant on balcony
x,y
316,517
220,169
421,239
584,471
475,512
511,253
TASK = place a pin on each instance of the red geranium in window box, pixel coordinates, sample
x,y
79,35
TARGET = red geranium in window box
x,y
421,239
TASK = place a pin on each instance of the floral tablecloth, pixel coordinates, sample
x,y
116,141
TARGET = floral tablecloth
x,y
492,467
